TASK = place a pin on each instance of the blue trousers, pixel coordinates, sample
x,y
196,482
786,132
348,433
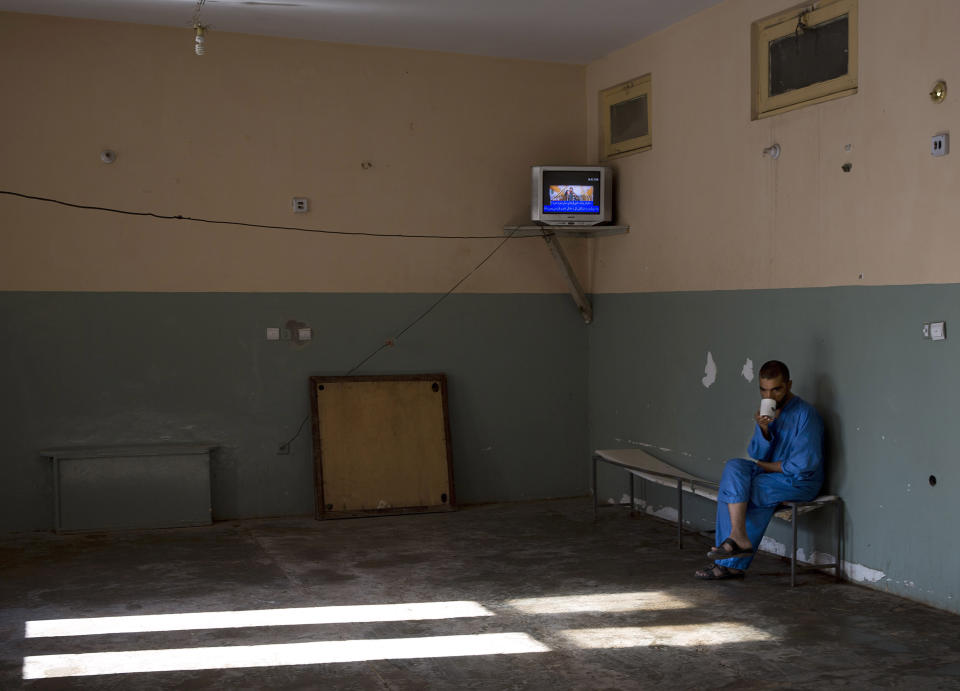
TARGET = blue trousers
x,y
743,480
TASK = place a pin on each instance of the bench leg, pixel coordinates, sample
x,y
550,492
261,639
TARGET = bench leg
x,y
838,569
793,548
680,513
594,488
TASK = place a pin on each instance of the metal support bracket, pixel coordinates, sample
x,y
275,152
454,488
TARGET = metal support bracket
x,y
579,297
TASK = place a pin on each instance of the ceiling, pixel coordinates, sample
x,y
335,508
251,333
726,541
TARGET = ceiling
x,y
572,31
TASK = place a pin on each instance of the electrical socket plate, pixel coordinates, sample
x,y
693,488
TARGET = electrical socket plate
x,y
938,331
940,144
300,205
273,333
304,334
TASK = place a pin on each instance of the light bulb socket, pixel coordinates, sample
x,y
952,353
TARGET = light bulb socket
x,y
199,39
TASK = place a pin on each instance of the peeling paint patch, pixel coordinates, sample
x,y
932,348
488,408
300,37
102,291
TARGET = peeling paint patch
x,y
667,513
855,572
747,370
861,573
768,544
709,371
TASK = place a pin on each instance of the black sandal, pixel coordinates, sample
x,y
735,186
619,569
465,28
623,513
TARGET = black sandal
x,y
717,572
735,551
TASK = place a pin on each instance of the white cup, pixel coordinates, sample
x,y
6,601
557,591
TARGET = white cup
x,y
768,407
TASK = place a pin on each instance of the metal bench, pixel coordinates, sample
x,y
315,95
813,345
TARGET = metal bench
x,y
641,464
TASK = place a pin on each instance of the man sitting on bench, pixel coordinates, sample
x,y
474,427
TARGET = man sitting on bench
x,y
788,446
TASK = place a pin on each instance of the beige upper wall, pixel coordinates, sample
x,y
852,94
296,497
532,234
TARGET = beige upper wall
x,y
235,134
709,212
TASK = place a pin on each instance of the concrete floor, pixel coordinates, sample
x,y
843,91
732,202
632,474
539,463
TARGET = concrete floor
x,y
605,605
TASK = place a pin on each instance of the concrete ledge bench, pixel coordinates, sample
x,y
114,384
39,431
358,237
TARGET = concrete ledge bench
x,y
640,464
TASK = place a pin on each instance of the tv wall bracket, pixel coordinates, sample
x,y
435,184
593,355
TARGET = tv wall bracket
x,y
550,236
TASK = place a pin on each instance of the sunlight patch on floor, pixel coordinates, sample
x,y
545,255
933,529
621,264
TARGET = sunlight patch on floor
x,y
613,602
323,652
686,635
295,616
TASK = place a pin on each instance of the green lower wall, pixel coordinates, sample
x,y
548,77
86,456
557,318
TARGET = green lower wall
x,y
888,398
124,368
115,368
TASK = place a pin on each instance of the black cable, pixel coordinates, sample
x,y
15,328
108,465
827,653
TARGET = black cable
x,y
286,444
390,342
180,217
386,344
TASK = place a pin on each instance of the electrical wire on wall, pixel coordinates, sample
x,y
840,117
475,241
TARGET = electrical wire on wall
x,y
390,342
284,447
262,226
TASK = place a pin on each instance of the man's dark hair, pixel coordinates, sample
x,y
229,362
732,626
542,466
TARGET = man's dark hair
x,y
774,368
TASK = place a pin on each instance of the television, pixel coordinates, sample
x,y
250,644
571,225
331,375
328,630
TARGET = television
x,y
572,195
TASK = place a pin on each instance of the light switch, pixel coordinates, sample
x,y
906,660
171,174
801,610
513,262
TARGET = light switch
x,y
304,334
273,333
938,331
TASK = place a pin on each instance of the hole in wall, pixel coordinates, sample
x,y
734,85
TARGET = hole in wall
x,y
933,480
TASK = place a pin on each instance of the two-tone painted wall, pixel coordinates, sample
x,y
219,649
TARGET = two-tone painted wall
x,y
120,329
735,256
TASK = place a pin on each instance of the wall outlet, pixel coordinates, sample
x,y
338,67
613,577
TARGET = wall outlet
x,y
938,331
304,334
300,205
940,144
925,330
273,333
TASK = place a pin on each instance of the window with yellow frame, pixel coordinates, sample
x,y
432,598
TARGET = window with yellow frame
x,y
625,117
804,55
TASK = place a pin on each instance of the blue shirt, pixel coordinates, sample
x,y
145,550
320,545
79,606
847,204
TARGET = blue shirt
x,y
796,440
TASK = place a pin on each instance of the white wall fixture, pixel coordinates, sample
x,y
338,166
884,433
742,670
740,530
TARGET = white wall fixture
x,y
301,205
773,151
938,331
940,144
108,155
273,333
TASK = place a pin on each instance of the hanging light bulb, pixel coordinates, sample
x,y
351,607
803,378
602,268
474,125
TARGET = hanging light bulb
x,y
199,41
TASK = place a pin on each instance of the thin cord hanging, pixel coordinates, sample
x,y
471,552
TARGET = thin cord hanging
x,y
180,217
392,341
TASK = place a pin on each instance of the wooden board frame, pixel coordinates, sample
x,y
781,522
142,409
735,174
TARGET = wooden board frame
x,y
321,508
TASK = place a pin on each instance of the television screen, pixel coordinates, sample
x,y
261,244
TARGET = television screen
x,y
571,192
571,195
